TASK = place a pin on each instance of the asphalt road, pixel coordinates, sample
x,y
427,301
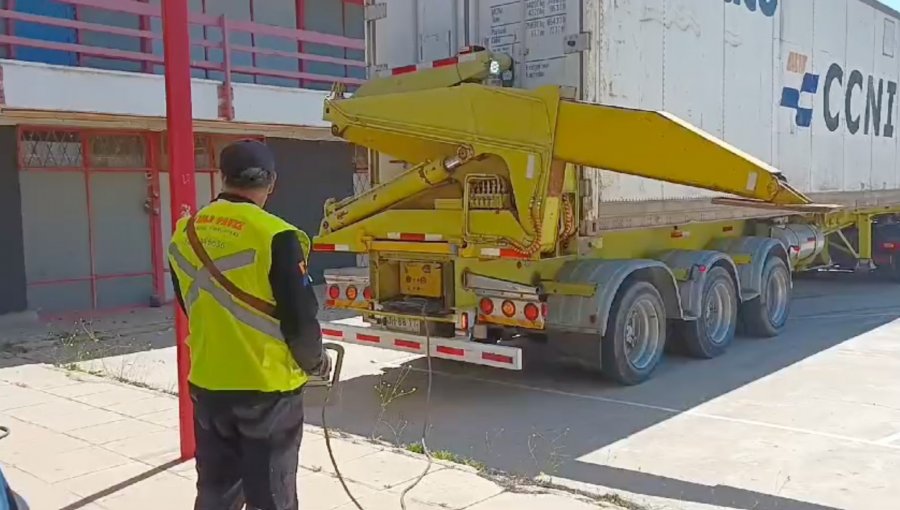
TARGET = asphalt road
x,y
809,420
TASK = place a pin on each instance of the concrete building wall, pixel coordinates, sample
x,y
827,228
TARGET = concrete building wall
x,y
85,214
12,256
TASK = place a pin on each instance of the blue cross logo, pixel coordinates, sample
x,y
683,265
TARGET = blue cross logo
x,y
790,98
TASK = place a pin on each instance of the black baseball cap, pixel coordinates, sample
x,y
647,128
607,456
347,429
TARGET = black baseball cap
x,y
247,164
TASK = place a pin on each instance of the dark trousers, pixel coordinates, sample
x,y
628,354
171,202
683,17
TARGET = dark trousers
x,y
248,449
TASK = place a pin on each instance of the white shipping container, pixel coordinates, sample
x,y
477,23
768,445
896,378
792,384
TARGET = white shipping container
x,y
809,86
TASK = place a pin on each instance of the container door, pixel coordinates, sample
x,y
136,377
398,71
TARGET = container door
x,y
437,29
540,35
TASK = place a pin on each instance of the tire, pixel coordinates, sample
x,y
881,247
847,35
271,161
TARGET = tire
x,y
894,270
766,316
639,314
711,334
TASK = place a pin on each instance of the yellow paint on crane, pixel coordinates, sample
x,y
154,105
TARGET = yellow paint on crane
x,y
528,142
660,146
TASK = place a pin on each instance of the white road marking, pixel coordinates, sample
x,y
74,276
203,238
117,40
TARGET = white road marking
x,y
893,315
883,443
886,441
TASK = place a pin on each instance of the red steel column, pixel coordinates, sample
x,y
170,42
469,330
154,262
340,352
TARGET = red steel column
x,y
179,120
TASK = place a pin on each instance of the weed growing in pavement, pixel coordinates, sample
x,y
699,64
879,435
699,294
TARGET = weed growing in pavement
x,y
448,456
84,350
553,459
74,367
522,485
389,392
82,342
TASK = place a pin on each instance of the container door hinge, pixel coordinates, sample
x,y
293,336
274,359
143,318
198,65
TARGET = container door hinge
x,y
378,71
376,11
577,43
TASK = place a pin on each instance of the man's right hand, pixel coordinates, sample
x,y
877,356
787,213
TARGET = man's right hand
x,y
324,368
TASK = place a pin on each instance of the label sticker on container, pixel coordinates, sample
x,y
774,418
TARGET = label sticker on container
x,y
751,181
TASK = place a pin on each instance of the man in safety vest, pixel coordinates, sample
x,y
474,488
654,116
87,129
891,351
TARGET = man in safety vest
x,y
240,276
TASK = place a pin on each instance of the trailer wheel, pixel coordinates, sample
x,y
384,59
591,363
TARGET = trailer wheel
x,y
711,334
766,315
635,335
893,272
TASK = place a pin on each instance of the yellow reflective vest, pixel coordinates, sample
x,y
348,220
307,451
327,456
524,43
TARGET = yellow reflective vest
x,y
234,345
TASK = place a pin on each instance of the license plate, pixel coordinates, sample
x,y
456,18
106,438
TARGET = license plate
x,y
404,324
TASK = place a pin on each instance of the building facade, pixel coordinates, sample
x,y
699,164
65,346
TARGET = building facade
x,y
83,162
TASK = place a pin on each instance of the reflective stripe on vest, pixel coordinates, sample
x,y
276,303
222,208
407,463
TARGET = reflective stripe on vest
x,y
203,280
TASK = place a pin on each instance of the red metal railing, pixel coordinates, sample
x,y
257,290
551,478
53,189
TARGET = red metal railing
x,y
296,63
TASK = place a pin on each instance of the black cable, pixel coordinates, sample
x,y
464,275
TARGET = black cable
x,y
425,426
337,470
427,419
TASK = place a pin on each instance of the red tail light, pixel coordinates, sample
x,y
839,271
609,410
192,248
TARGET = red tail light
x,y
486,306
508,308
545,310
532,312
334,292
889,246
464,321
368,295
352,293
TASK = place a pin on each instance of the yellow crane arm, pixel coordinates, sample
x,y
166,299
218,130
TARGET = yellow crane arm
x,y
448,125
660,146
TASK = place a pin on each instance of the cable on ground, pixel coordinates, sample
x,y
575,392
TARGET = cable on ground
x,y
426,424
427,418
337,470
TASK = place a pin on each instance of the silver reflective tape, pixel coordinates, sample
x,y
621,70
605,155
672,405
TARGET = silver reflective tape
x,y
203,280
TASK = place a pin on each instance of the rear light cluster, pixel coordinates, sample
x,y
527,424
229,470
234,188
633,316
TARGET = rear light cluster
x,y
532,312
349,293
462,323
486,306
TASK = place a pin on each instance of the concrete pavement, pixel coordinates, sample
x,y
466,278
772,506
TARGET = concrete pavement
x,y
85,442
807,421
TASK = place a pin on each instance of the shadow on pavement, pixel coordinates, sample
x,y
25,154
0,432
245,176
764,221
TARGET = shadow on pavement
x,y
539,420
124,484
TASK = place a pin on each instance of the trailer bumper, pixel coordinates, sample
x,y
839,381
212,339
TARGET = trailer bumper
x,y
356,331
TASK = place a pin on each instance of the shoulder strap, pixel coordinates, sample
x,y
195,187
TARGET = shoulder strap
x,y
250,300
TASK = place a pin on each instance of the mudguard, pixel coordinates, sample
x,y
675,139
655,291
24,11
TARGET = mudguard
x,y
583,314
750,254
691,269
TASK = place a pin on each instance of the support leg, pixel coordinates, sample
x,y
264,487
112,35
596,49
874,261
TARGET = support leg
x,y
864,227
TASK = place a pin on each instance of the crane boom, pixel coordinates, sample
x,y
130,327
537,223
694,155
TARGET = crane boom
x,y
660,146
523,138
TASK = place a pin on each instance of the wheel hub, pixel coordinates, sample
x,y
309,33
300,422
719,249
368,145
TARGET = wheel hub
x,y
642,334
719,312
777,297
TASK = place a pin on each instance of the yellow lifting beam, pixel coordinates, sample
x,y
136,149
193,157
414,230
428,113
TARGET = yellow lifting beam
x,y
448,126
660,146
